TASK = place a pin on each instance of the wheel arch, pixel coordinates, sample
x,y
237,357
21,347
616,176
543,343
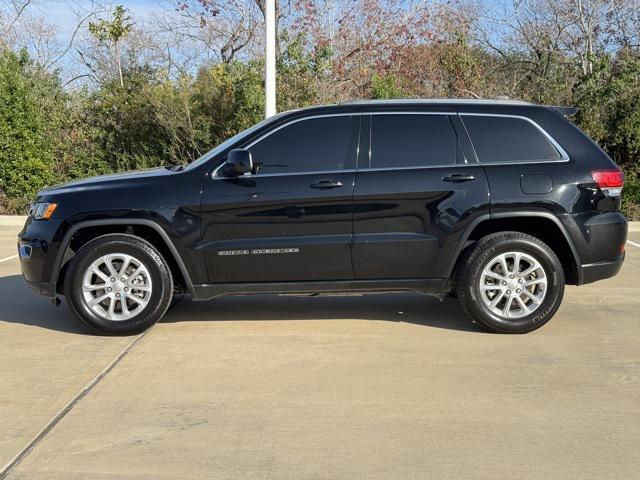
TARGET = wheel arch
x,y
543,225
148,230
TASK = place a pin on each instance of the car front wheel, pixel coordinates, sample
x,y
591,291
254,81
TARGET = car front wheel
x,y
118,284
510,282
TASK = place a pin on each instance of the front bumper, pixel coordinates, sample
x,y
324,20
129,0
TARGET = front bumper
x,y
37,249
41,288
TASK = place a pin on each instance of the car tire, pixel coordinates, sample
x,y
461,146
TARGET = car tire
x,y
124,271
510,282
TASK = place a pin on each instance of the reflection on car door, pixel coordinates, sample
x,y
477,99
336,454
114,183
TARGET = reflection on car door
x,y
292,221
414,194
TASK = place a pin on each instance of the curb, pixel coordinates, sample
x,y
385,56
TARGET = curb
x,y
18,221
12,220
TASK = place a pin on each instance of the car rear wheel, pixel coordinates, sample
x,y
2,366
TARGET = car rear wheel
x,y
118,284
510,282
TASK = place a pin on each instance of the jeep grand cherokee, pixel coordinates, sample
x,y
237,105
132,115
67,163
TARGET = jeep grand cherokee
x,y
500,203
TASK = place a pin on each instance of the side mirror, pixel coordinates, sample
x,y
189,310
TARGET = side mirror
x,y
238,163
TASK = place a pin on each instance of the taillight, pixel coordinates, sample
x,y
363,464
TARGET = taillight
x,y
609,181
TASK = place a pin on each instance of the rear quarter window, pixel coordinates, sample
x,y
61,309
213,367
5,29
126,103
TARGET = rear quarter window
x,y
508,140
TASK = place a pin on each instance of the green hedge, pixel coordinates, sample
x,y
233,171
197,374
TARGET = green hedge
x,y
631,197
49,135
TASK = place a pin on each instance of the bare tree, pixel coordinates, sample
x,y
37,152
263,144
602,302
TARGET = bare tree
x,y
11,14
222,27
538,34
586,32
623,24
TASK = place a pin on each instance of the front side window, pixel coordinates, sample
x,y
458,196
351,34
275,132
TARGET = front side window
x,y
315,144
508,140
412,140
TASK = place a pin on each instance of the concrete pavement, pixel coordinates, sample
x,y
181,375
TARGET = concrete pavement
x,y
45,357
377,386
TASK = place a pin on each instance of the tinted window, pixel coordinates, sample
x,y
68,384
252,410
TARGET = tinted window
x,y
305,146
412,141
507,139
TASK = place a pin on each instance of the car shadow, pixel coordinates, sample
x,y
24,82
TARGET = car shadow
x,y
18,304
391,307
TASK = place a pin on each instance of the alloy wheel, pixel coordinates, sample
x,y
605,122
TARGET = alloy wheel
x,y
513,285
117,287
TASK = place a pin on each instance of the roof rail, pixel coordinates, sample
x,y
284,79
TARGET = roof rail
x,y
458,101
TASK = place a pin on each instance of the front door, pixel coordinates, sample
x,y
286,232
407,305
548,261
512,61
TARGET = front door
x,y
291,221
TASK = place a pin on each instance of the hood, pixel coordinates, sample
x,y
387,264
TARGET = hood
x,y
106,181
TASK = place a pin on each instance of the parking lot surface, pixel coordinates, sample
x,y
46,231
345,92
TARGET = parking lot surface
x,y
386,386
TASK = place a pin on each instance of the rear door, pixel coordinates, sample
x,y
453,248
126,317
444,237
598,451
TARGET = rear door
x,y
292,220
416,191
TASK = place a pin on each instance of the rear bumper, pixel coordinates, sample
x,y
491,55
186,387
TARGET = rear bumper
x,y
599,271
598,243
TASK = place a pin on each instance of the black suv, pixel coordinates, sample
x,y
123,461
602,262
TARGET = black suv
x,y
499,203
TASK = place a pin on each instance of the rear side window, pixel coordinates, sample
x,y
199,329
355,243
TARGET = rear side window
x,y
508,139
412,140
309,145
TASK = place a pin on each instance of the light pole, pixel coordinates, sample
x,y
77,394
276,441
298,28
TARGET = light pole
x,y
270,58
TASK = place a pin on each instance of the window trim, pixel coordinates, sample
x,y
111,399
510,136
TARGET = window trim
x,y
563,154
564,157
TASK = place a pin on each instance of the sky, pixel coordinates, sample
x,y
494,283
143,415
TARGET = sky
x,y
62,13
65,14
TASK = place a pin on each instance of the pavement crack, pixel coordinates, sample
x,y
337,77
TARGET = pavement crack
x,y
4,473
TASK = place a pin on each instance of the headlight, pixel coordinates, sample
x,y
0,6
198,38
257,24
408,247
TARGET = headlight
x,y
42,211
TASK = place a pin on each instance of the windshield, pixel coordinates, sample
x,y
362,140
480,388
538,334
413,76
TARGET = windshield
x,y
230,141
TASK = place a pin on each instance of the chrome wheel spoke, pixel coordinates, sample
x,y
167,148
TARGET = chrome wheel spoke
x,y
491,274
141,288
135,299
506,310
109,262
523,305
133,275
95,270
530,295
516,262
112,307
490,287
125,265
503,263
98,300
125,308
496,300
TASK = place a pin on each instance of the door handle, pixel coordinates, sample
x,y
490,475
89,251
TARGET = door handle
x,y
458,178
326,184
